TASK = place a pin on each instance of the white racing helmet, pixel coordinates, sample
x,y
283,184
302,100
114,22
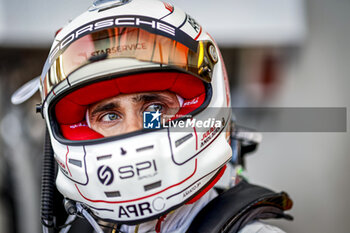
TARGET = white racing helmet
x,y
121,47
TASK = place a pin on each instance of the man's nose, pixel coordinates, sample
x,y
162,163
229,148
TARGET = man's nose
x,y
133,122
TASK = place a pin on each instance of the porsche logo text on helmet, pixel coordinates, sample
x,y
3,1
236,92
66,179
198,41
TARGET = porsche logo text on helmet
x,y
125,21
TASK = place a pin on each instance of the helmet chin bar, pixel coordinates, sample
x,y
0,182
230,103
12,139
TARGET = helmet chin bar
x,y
247,141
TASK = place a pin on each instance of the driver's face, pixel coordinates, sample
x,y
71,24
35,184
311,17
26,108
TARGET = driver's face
x,y
124,113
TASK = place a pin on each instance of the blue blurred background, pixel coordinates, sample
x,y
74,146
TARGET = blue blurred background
x,y
279,53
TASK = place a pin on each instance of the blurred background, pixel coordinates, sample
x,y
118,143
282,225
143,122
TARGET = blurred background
x,y
278,53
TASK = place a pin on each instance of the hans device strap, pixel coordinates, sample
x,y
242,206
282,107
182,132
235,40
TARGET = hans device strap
x,y
236,207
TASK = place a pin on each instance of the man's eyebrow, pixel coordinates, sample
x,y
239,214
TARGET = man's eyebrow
x,y
104,107
149,97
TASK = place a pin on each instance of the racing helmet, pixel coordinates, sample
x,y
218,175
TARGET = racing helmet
x,y
135,46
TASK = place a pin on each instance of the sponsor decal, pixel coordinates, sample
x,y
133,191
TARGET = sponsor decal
x,y
120,49
61,165
151,120
78,125
147,23
105,175
192,102
134,210
191,190
193,23
140,170
207,136
141,209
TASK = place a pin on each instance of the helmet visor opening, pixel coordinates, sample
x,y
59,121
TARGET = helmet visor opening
x,y
122,105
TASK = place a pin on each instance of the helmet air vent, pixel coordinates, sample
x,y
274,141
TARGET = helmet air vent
x,y
113,194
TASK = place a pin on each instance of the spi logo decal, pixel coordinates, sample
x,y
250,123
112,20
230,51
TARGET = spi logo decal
x,y
105,175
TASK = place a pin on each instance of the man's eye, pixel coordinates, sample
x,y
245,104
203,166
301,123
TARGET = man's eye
x,y
154,108
110,117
